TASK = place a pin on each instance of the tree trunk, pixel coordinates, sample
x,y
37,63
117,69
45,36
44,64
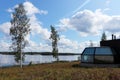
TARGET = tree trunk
x,y
57,59
20,54
21,59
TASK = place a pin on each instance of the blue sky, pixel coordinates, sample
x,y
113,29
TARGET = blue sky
x,y
77,21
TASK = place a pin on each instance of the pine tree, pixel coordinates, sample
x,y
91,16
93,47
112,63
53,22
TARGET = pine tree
x,y
54,37
104,37
20,28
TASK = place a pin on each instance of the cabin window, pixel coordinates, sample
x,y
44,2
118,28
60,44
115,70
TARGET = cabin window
x,y
97,55
87,58
89,51
103,51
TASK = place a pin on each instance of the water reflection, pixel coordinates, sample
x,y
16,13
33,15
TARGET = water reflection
x,y
8,60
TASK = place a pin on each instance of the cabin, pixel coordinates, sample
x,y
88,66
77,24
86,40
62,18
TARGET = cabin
x,y
97,55
108,52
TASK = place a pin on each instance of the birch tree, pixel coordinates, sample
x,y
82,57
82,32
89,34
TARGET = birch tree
x,y
54,37
20,28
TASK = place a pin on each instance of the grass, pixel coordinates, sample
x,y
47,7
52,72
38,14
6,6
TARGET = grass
x,y
59,71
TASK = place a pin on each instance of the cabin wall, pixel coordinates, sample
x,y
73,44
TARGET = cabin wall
x,y
115,45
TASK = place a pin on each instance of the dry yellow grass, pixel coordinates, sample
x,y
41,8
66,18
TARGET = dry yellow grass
x,y
59,71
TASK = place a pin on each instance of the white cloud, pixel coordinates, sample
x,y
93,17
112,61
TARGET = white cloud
x,y
37,29
31,9
4,46
36,25
4,28
37,47
67,45
87,22
9,10
64,24
113,25
67,42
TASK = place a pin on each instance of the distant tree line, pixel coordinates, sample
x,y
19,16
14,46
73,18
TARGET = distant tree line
x,y
39,53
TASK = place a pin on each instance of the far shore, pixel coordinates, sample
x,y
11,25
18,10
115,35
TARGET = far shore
x,y
40,53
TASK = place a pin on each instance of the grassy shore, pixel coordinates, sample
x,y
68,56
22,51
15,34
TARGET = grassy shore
x,y
59,71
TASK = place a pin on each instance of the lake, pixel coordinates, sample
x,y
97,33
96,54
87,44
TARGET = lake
x,y
8,60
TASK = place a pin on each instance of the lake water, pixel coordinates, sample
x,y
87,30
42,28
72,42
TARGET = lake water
x,y
8,60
